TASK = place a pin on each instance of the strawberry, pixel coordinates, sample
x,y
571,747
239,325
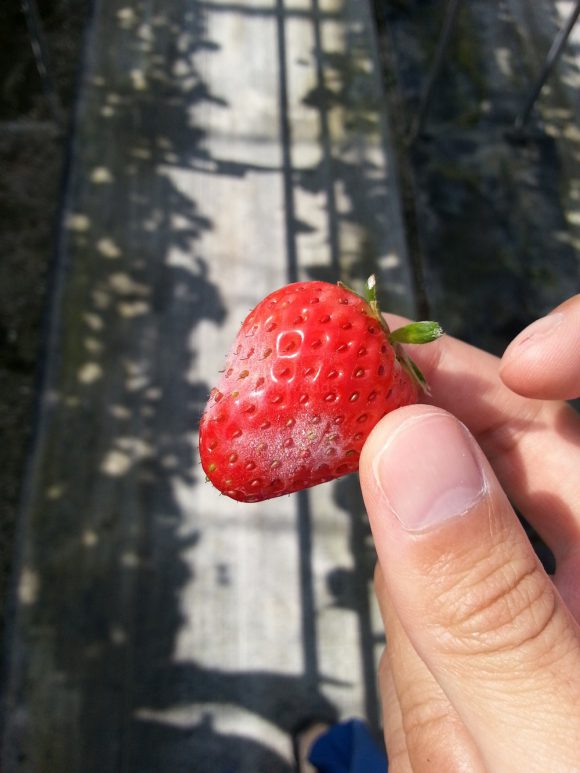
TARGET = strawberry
x,y
313,369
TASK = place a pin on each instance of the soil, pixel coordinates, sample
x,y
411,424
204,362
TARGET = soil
x,y
490,217
32,158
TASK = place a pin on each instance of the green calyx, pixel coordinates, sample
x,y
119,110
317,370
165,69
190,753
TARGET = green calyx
x,y
414,333
417,333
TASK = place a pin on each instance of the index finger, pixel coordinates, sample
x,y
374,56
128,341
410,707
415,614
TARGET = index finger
x,y
533,445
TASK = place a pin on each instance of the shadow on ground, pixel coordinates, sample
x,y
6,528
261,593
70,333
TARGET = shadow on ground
x,y
93,680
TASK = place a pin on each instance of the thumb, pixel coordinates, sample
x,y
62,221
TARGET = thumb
x,y
470,593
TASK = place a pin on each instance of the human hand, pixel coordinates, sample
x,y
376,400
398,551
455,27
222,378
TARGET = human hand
x,y
482,667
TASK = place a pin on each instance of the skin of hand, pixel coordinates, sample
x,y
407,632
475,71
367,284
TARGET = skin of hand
x,y
482,666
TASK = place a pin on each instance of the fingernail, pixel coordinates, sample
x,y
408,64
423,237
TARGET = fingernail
x,y
540,329
430,471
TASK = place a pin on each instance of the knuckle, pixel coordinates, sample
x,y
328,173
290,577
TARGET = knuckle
x,y
503,603
420,716
429,725
398,757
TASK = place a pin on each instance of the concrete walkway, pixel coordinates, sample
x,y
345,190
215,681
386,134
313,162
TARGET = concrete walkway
x,y
221,150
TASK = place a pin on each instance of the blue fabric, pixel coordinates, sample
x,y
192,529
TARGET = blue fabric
x,y
348,747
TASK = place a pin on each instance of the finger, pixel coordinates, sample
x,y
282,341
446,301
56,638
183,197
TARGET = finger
x,y
395,742
469,591
434,736
534,446
544,360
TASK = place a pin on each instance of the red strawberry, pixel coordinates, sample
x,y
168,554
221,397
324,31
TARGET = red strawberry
x,y
313,369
